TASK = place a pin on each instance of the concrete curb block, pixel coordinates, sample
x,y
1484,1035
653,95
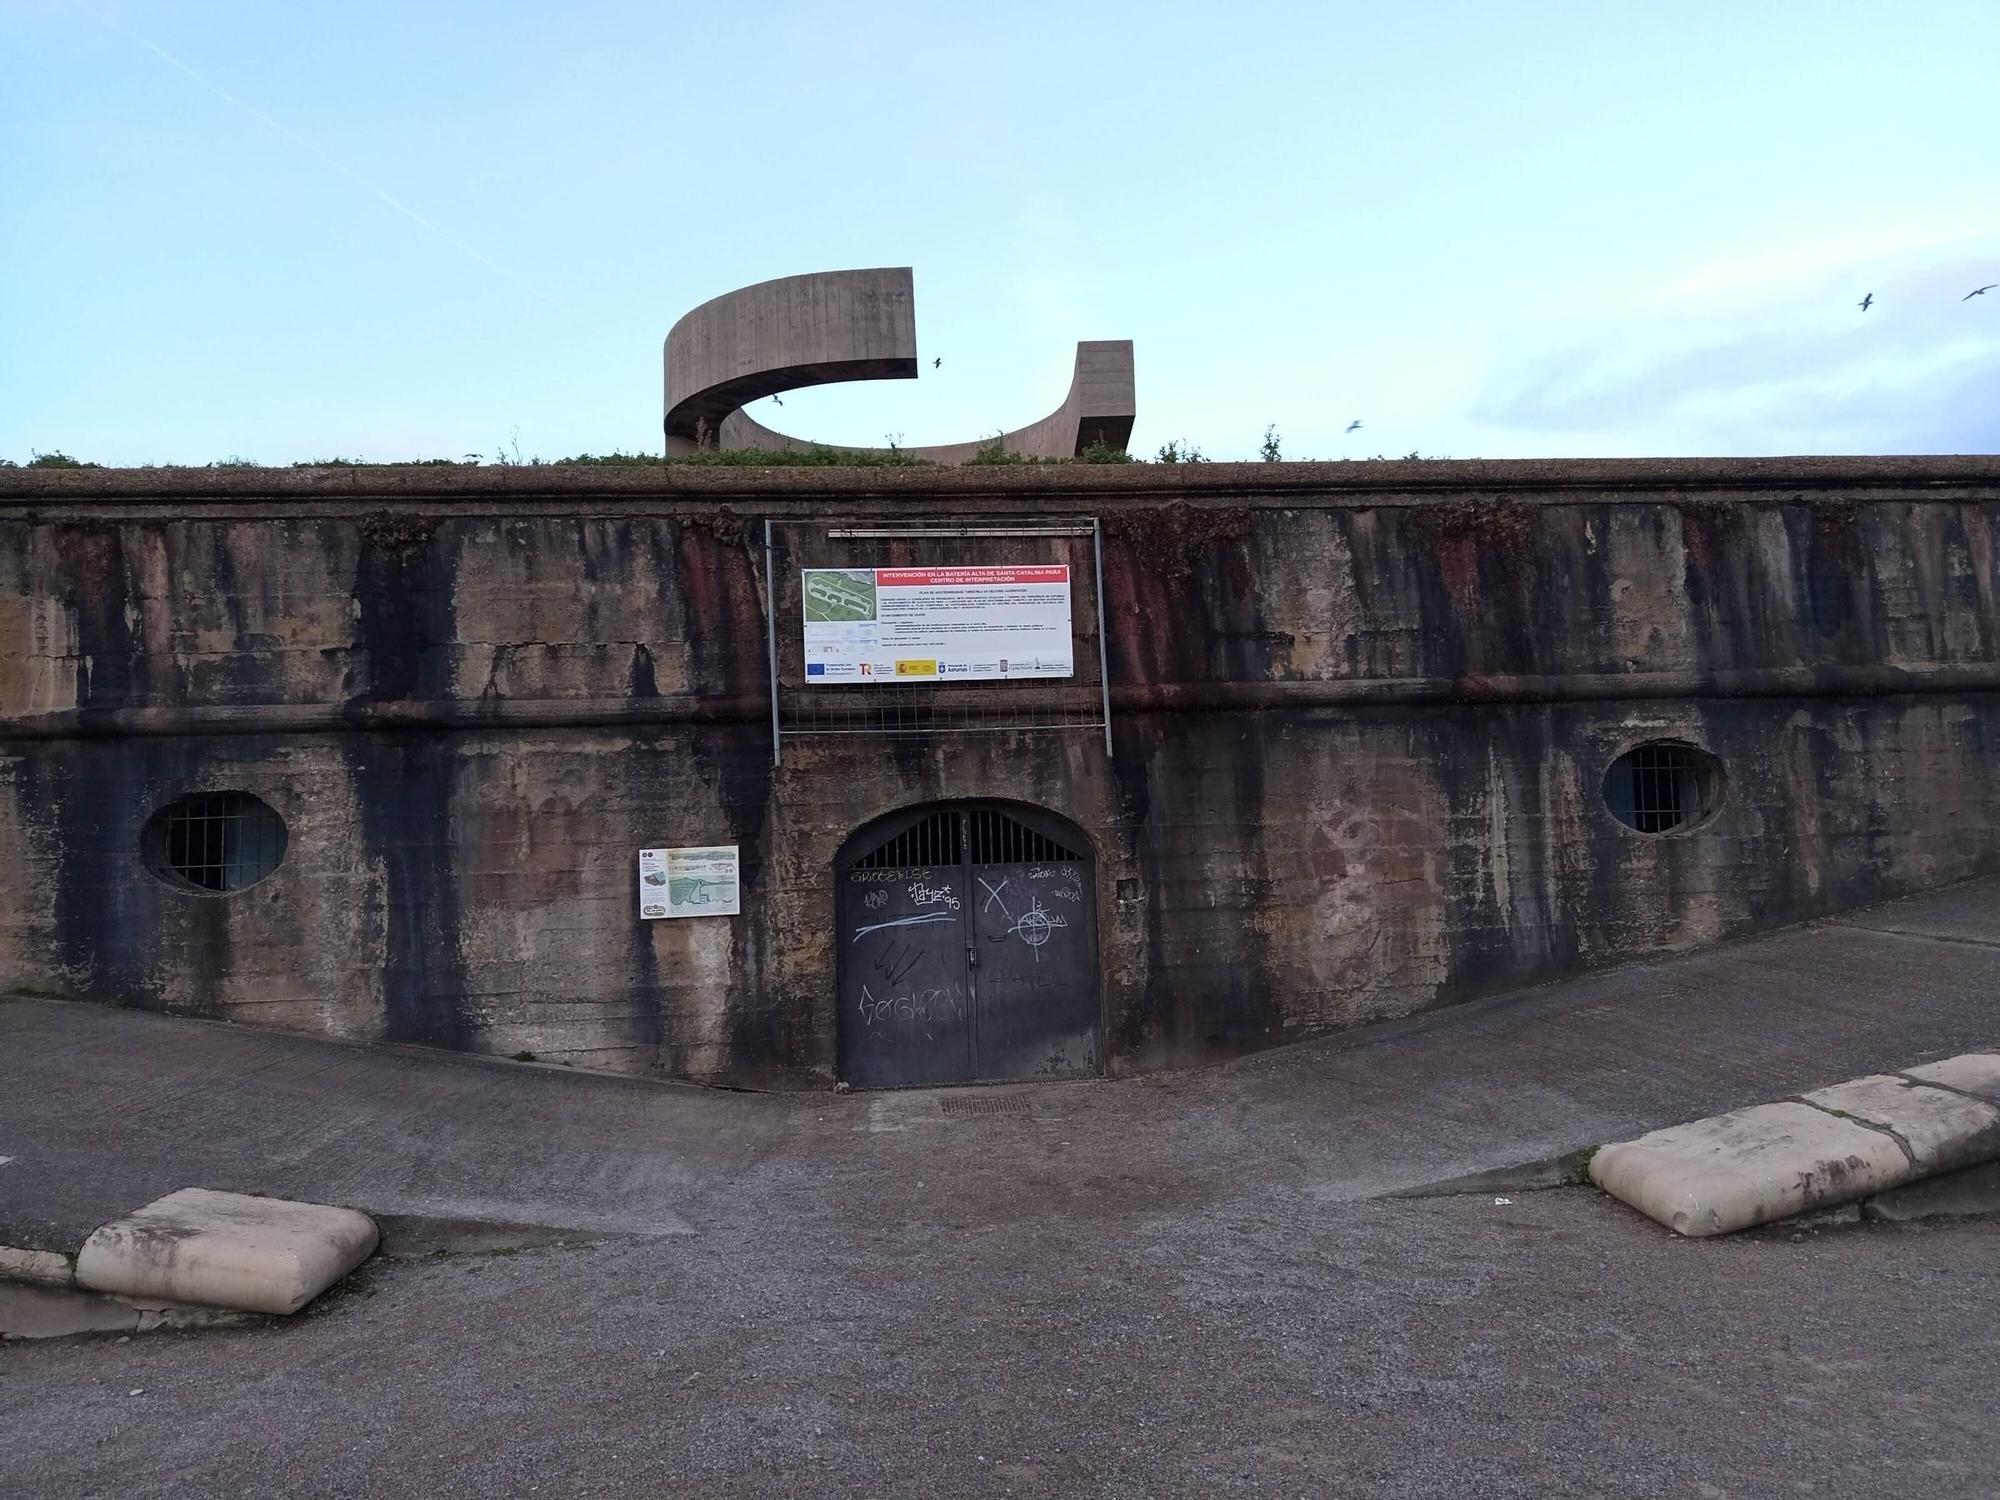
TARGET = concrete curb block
x,y
36,1267
265,1255
1937,1128
1969,1073
1773,1161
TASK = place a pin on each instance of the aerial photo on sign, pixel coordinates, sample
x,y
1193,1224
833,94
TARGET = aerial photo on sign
x,y
869,625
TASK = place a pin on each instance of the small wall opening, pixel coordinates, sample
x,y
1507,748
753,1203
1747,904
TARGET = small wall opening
x,y
214,841
1664,786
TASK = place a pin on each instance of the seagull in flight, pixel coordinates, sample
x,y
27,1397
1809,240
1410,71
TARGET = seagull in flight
x,y
1979,291
776,402
1355,425
1867,302
938,361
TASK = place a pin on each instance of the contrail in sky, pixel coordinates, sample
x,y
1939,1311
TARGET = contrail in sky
x,y
334,162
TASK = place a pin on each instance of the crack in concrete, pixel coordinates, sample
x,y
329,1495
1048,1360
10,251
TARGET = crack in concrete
x,y
1931,1083
1841,1114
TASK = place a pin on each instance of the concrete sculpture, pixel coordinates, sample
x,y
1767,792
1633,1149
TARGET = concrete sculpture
x,y
853,325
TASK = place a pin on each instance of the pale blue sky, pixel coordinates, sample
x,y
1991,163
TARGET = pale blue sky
x,y
1489,230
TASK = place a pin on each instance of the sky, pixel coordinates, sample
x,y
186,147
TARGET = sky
x,y
1528,229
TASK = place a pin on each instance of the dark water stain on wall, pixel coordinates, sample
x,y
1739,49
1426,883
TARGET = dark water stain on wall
x,y
1135,744
98,593
120,929
403,606
404,785
723,623
646,1027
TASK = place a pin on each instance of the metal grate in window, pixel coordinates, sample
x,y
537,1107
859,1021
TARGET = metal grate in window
x,y
1000,840
943,837
219,841
924,845
1659,787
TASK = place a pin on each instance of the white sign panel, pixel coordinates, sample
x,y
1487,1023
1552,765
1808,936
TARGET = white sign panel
x,y
868,625
689,882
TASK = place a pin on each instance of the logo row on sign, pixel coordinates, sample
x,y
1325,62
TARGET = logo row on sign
x,y
930,666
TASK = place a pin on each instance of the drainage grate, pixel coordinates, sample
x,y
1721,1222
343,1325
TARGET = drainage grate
x,y
1003,1104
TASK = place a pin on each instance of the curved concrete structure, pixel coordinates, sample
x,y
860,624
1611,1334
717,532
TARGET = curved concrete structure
x,y
832,326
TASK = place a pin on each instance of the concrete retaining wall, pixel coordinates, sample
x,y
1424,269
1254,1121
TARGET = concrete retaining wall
x,y
1362,716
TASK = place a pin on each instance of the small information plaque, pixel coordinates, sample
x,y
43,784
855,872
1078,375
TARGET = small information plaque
x,y
689,882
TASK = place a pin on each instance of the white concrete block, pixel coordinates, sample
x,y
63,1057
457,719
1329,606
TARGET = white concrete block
x,y
1943,1130
1969,1073
43,1267
1748,1167
263,1255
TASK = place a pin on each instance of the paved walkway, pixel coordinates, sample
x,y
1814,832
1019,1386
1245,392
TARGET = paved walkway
x,y
106,1109
1186,1283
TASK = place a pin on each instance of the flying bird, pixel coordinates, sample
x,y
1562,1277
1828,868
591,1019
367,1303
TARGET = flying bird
x,y
938,361
776,402
1867,302
1979,291
1355,425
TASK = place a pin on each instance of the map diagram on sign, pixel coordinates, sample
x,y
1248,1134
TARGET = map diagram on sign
x,y
868,625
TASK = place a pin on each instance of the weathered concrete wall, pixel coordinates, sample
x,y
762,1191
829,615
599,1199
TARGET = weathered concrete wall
x,y
1361,724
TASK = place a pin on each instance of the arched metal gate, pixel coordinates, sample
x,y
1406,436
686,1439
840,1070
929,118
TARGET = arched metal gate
x,y
968,948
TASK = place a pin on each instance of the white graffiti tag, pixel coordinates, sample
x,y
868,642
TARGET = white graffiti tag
x,y
995,895
1035,926
912,1011
922,893
917,921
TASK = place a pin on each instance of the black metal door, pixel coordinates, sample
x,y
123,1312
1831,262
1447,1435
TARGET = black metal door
x,y
1034,949
968,950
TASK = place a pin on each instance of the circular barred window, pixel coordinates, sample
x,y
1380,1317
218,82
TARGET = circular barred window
x,y
1663,786
215,841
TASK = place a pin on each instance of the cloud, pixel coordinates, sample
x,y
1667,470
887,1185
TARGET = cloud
x,y
1765,352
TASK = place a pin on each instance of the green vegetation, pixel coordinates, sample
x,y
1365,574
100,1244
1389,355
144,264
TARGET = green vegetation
x,y
1575,1165
401,463
994,451
990,453
815,457
1097,451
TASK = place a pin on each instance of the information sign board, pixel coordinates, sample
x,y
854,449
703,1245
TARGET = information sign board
x,y
875,625
698,882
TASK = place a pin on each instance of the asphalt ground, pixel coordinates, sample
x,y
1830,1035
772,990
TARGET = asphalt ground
x,y
1185,1284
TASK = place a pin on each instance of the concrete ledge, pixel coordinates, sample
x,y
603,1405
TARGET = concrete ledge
x,y
226,1250
1835,1145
